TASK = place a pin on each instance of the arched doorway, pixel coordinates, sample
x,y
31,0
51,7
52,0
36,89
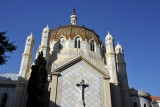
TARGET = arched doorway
x,y
145,105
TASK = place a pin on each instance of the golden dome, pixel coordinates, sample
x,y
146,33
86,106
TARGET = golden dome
x,y
71,31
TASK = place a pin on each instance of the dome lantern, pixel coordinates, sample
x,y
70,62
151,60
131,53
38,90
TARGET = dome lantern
x,y
73,18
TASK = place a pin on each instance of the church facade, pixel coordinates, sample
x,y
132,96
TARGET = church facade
x,y
82,71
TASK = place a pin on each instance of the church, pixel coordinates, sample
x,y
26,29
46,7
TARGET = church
x,y
82,71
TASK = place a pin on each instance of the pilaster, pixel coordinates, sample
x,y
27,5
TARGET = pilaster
x,y
53,92
107,92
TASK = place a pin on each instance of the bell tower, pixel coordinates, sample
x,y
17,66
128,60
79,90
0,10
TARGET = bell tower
x,y
73,18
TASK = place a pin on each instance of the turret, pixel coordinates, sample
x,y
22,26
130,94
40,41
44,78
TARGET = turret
x,y
27,56
110,58
73,18
20,91
121,69
45,42
111,66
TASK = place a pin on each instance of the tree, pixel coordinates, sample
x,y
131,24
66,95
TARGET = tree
x,y
37,82
5,46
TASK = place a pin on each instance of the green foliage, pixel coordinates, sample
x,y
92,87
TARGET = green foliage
x,y
37,82
5,46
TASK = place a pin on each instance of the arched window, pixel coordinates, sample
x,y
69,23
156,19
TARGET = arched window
x,y
77,43
92,46
4,100
145,105
135,104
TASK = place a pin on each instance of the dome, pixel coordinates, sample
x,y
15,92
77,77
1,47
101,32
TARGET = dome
x,y
73,31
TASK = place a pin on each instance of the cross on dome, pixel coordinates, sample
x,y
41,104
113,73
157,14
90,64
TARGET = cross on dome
x,y
74,13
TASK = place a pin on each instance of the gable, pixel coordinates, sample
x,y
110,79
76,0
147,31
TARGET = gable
x,y
57,68
69,92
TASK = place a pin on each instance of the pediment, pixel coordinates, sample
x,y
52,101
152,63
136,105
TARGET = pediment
x,y
60,67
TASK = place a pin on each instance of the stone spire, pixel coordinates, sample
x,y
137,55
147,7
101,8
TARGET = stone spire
x,y
73,18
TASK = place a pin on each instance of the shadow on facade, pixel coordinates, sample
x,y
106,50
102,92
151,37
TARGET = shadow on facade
x,y
54,56
52,104
7,88
135,99
19,99
102,53
114,93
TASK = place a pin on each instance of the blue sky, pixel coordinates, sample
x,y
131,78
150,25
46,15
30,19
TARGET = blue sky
x,y
134,23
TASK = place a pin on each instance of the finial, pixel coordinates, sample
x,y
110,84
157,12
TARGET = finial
x,y
117,43
47,25
31,34
74,13
108,32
